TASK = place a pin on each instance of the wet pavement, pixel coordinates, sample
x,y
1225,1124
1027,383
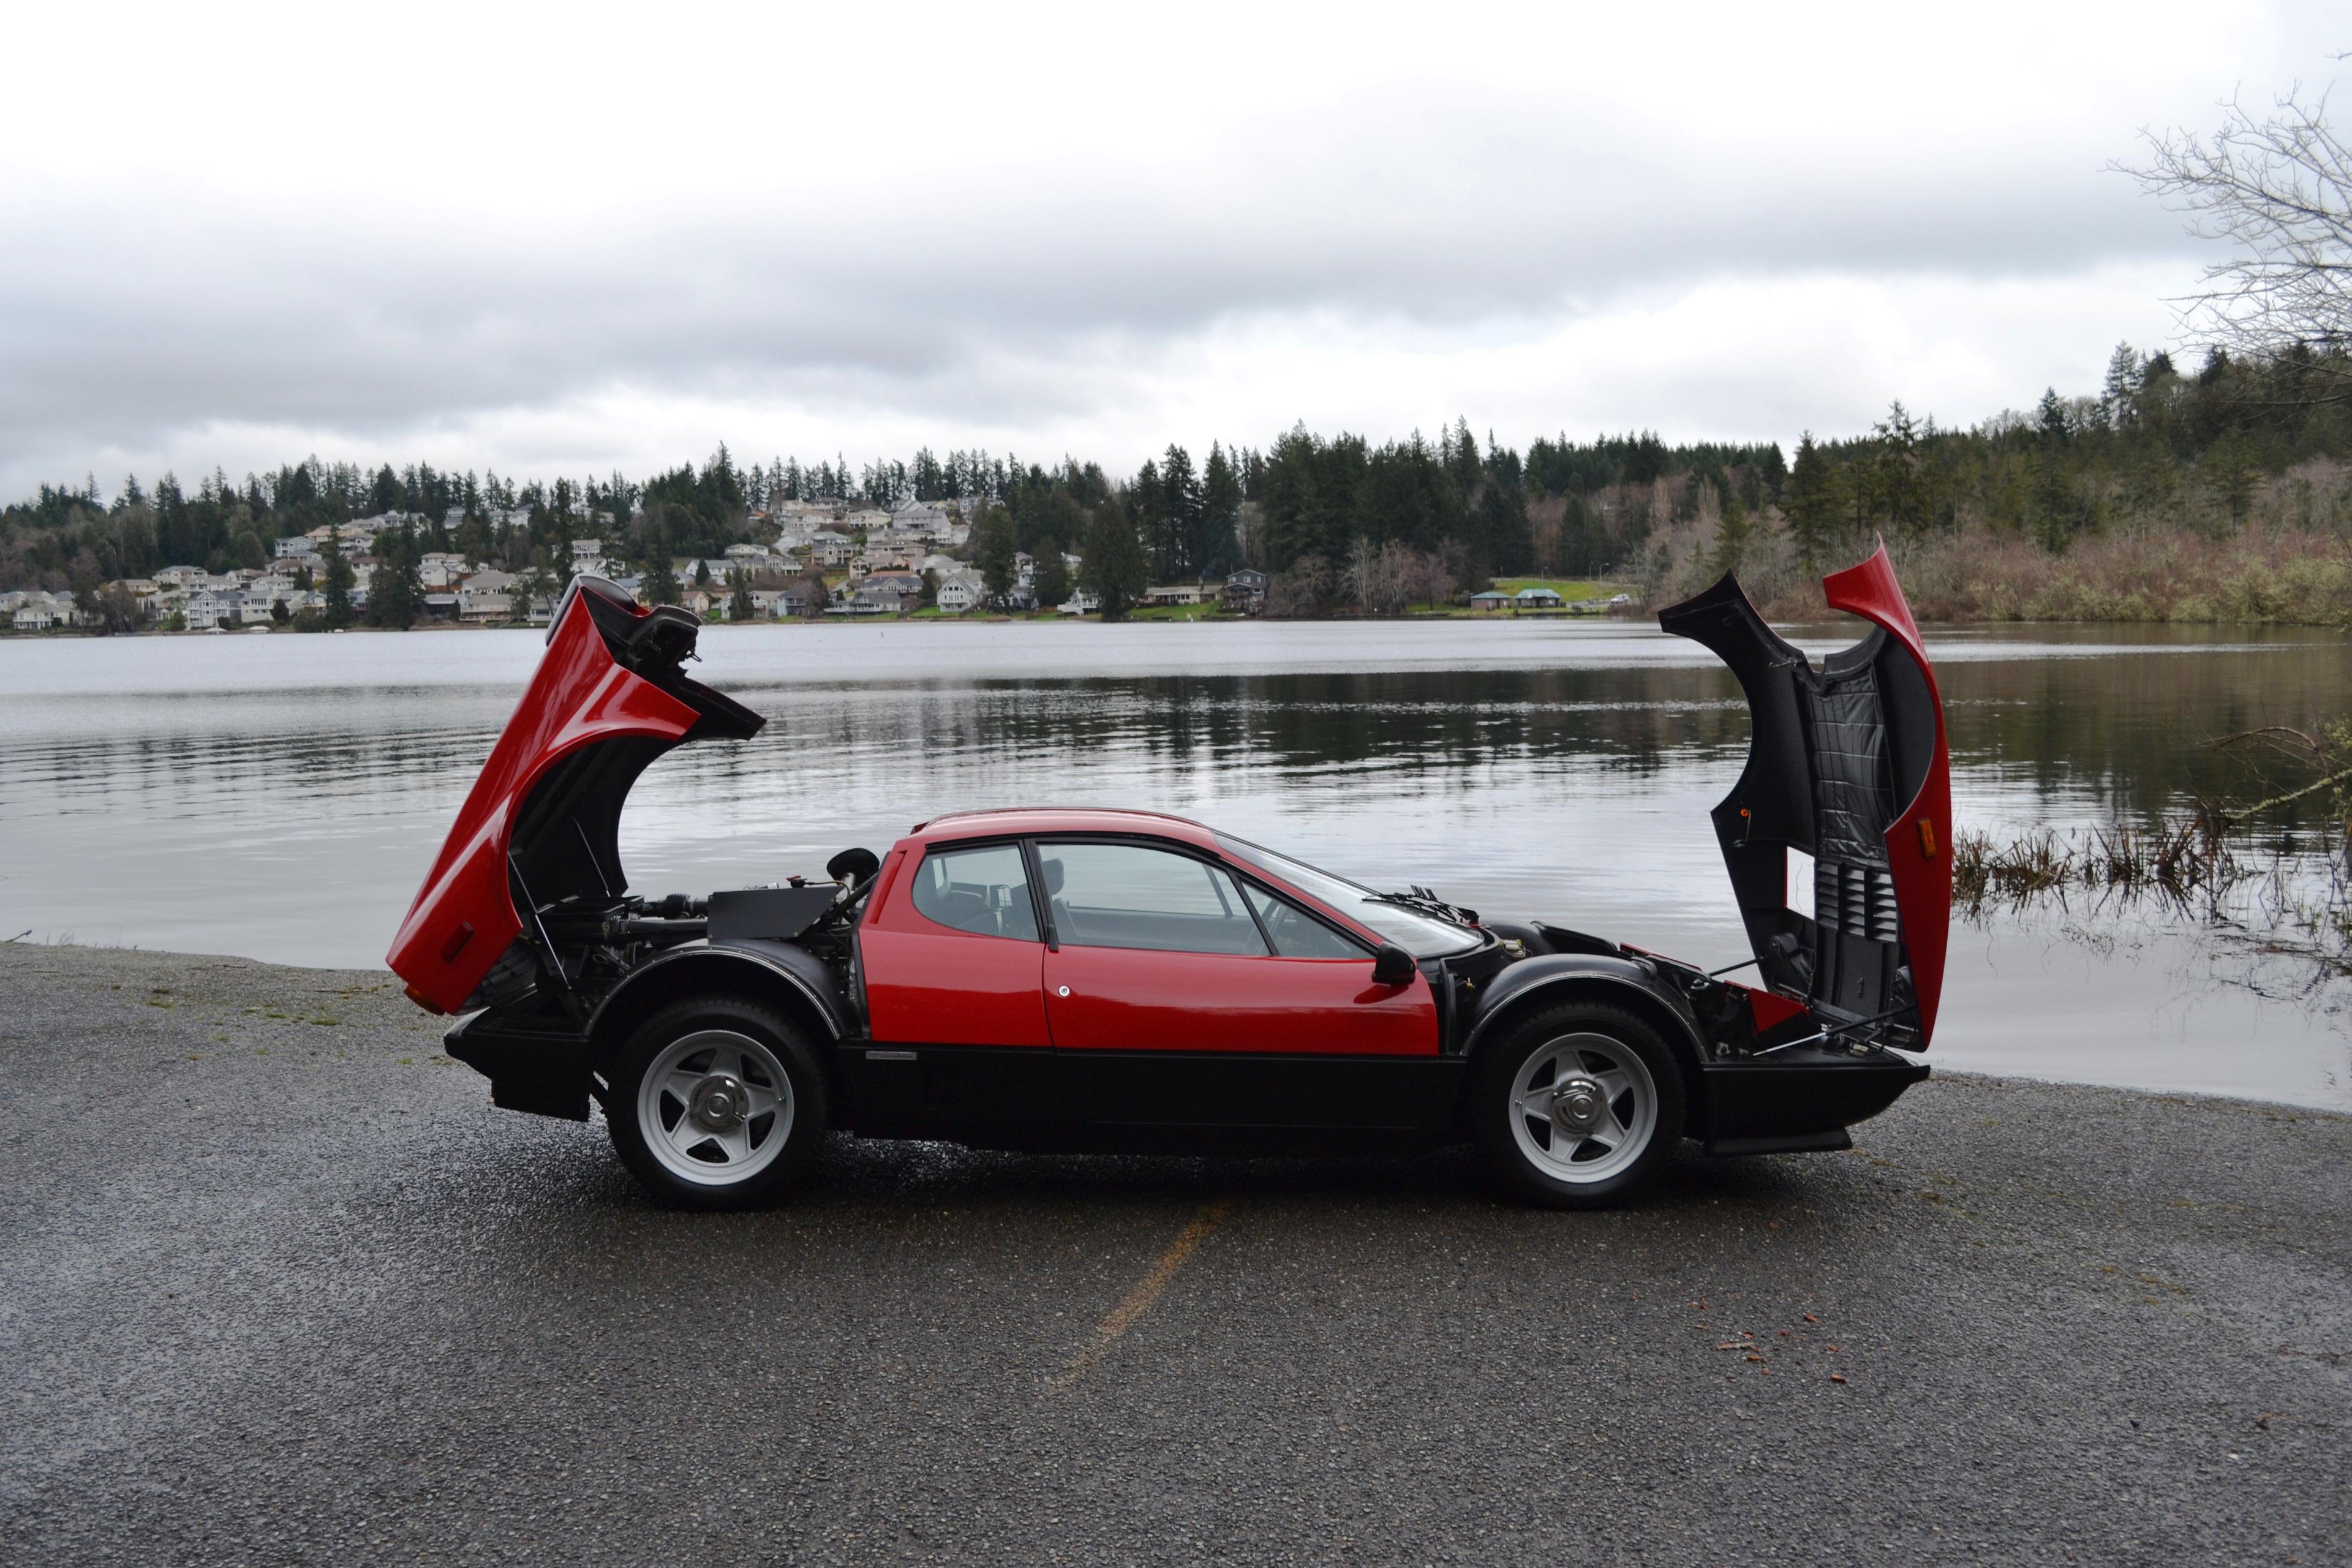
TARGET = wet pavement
x,y
278,1285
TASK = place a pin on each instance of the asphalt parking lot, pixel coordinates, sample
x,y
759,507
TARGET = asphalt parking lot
x,y
280,1287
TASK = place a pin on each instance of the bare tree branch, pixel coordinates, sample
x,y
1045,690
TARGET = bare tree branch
x,y
2279,191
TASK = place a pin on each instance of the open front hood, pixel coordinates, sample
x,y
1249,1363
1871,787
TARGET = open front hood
x,y
1847,763
542,821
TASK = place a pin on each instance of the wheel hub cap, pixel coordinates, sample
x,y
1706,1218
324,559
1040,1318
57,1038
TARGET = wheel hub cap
x,y
1578,1104
718,1103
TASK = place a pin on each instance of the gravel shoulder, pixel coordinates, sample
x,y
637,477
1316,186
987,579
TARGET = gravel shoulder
x,y
276,1285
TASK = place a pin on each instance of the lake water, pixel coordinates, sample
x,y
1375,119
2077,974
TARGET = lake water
x,y
281,796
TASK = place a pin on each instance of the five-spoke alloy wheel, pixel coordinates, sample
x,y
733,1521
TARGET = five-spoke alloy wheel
x,y
716,1102
1578,1107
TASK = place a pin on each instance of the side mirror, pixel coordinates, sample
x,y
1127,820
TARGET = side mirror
x,y
1393,966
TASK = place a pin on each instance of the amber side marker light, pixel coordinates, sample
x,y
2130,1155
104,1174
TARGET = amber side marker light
x,y
1926,839
423,1001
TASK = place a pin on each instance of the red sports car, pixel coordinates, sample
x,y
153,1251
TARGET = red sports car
x,y
1126,980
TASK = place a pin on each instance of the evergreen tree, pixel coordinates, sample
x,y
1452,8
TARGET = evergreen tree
x,y
396,590
1503,512
1114,569
338,588
1182,508
1053,582
1220,510
660,584
992,548
386,494
1733,536
2054,496
1147,515
1814,504
1899,483
473,540
739,606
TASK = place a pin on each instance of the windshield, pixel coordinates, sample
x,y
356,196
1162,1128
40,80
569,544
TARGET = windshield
x,y
1422,935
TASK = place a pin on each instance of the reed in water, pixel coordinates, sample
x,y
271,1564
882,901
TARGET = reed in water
x,y
2216,861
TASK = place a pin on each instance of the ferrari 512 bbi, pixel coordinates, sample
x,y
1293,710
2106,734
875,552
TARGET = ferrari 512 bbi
x,y
1129,982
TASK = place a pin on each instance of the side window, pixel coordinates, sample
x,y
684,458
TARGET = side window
x,y
1297,933
983,890
1123,894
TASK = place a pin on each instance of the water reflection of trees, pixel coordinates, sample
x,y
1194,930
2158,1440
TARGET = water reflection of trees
x,y
2129,733
1630,720
2135,731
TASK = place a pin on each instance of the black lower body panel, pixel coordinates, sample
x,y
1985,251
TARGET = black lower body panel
x,y
543,1071
1129,1102
1798,1099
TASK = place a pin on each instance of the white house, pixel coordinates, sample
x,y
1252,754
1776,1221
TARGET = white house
x,y
294,545
441,568
960,593
488,596
922,516
1080,603
207,609
490,606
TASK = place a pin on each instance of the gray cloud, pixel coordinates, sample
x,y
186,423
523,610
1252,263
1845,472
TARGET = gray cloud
x,y
123,334
1042,295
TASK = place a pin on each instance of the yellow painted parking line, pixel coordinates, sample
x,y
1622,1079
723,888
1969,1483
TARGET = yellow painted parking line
x,y
1139,1300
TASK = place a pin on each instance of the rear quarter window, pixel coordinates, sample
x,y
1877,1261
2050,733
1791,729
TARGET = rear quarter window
x,y
983,890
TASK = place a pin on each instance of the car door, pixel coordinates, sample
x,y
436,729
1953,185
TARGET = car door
x,y
1167,1003
950,954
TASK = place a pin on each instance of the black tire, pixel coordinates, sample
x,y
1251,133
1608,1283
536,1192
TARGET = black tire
x,y
772,1042
1537,1168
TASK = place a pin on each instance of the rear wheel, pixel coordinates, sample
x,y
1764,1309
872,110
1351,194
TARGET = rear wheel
x,y
1580,1106
716,1102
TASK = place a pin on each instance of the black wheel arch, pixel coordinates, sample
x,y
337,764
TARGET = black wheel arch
x,y
793,982
1535,984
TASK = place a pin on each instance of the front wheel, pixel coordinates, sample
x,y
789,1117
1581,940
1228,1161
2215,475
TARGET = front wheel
x,y
716,1102
1580,1106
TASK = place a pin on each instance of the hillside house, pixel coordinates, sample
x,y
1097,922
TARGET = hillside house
x,y
206,609
1244,593
961,593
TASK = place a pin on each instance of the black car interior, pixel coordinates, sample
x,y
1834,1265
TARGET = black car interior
x,y
1125,896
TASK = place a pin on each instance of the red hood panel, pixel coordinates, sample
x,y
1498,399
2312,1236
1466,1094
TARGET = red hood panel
x,y
1847,762
1919,840
464,917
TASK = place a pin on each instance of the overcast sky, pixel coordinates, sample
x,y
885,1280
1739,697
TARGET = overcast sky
x,y
583,237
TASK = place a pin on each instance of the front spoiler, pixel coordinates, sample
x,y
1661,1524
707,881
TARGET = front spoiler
x,y
1802,1097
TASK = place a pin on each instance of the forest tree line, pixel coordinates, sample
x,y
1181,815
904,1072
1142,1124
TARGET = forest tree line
x,y
1339,522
